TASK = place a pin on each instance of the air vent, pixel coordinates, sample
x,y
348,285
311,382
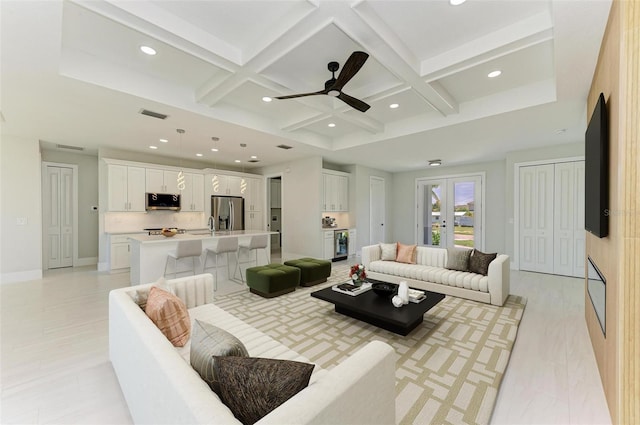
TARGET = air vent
x,y
75,148
285,147
153,114
253,160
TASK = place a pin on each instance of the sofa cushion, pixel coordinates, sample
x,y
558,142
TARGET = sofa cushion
x,y
209,342
388,251
253,387
169,314
479,262
458,259
406,253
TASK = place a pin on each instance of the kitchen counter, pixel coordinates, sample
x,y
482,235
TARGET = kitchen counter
x,y
149,252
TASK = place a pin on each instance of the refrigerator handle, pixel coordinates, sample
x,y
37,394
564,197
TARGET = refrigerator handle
x,y
231,216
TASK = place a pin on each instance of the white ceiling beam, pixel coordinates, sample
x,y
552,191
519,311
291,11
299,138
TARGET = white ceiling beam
x,y
306,122
366,28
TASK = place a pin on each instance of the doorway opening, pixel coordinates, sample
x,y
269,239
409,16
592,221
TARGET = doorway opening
x,y
274,218
450,212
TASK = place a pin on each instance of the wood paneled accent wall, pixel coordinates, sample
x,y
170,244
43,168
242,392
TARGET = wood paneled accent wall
x,y
618,354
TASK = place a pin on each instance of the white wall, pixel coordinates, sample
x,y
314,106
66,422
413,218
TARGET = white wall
x,y
359,202
87,196
569,150
301,207
404,201
20,184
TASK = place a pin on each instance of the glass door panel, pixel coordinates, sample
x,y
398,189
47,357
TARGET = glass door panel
x,y
464,210
432,214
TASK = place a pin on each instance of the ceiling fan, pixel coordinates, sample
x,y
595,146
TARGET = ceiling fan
x,y
333,87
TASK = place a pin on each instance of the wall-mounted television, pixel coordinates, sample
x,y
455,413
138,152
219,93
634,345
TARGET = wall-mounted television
x,y
596,182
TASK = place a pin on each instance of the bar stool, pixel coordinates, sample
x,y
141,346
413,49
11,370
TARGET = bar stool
x,y
254,243
224,245
185,249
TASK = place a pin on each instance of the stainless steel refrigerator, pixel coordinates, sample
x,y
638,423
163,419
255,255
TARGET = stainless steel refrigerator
x,y
227,212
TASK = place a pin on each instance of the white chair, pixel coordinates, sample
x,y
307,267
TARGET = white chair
x,y
185,249
254,243
228,245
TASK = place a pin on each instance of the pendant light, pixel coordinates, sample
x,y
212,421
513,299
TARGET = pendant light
x,y
243,182
215,180
180,180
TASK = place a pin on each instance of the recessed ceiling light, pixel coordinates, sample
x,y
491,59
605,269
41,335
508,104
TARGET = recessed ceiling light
x,y
393,106
456,2
254,157
198,154
237,160
214,150
266,99
494,74
164,141
435,162
331,125
148,50
153,147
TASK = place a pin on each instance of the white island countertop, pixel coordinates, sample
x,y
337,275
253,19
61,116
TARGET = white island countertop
x,y
199,234
149,252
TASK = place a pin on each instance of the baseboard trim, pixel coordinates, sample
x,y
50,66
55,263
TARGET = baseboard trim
x,y
20,276
88,261
103,267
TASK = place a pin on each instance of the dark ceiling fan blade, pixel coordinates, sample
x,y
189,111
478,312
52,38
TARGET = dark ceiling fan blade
x,y
291,96
353,102
350,68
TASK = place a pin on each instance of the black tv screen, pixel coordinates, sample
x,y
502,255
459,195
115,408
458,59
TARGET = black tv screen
x,y
596,182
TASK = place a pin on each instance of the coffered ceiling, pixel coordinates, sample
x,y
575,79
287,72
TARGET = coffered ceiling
x,y
73,73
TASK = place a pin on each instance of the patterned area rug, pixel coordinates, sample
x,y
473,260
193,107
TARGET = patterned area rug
x,y
449,368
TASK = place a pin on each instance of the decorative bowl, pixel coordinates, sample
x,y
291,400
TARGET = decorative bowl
x,y
169,232
384,289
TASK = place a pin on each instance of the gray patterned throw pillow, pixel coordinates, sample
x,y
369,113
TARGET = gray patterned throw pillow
x,y
252,387
458,259
479,262
209,342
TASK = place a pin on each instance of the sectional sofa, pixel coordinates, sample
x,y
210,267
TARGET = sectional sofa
x,y
430,272
160,386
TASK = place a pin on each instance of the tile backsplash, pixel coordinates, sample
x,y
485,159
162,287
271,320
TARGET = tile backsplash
x,y
136,221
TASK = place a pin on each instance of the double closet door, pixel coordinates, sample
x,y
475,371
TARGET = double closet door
x,y
551,219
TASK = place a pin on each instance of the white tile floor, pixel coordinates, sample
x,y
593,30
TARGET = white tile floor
x,y
55,366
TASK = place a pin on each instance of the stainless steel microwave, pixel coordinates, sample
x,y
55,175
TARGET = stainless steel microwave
x,y
162,201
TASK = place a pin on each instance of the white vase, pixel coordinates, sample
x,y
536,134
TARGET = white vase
x,y
403,292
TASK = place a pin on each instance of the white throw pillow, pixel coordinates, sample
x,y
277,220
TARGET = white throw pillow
x,y
388,251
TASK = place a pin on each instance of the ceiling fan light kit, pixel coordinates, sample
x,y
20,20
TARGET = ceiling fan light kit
x,y
333,87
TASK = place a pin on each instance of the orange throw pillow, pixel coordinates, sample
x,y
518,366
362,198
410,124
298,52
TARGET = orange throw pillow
x,y
170,315
406,254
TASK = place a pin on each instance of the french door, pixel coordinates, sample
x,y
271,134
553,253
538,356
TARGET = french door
x,y
450,212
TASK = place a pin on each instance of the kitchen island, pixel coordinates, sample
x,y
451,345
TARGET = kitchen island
x,y
149,253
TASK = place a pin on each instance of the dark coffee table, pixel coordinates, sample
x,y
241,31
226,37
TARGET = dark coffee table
x,y
378,311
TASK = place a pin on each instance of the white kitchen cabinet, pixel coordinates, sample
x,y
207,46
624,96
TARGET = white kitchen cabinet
x,y
253,198
120,252
336,192
253,220
125,187
329,250
228,185
192,197
353,242
161,181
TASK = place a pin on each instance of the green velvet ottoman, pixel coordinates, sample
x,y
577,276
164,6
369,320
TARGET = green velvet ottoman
x,y
272,280
312,271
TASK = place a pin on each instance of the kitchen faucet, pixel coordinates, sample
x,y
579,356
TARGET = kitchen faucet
x,y
210,223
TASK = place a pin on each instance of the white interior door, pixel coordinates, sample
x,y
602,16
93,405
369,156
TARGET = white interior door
x,y
376,208
564,218
579,232
450,212
58,214
536,218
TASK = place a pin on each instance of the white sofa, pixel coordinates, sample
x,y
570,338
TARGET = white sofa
x,y
160,386
429,273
